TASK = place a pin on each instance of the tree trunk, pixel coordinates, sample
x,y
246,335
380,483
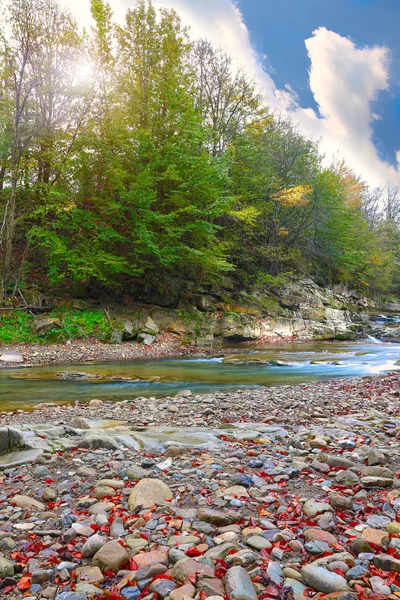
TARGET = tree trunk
x,y
7,237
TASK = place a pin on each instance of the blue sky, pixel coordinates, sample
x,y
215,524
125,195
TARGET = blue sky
x,y
332,66
366,22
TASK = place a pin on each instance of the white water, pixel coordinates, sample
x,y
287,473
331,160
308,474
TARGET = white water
x,y
374,340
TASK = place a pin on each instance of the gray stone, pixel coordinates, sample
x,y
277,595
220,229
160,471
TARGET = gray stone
x,y
387,563
347,478
92,545
239,585
95,442
322,580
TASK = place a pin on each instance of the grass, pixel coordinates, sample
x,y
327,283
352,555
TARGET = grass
x,y
18,327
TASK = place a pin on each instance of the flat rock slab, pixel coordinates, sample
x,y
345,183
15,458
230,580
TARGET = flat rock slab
x,y
21,457
12,357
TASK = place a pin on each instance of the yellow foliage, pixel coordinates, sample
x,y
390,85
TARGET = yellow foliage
x,y
293,197
246,215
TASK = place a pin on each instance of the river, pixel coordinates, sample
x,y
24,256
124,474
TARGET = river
x,y
254,366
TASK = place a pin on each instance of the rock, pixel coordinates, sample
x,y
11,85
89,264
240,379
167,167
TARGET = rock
x,y
87,590
70,596
49,495
27,502
183,568
95,442
387,563
341,502
11,357
377,472
375,482
92,545
359,546
6,568
239,585
347,478
339,461
10,439
375,457
375,536
110,557
45,324
155,557
90,575
162,587
312,508
148,492
322,580
258,543
320,535
137,473
215,517
186,591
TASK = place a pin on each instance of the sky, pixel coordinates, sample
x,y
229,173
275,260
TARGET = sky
x,y
333,66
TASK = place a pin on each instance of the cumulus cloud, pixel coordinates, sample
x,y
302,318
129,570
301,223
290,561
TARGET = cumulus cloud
x,y
344,80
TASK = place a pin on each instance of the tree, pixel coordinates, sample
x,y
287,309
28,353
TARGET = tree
x,y
228,99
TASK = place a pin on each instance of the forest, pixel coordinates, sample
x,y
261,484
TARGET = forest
x,y
130,154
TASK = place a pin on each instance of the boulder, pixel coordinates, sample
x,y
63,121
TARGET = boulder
x,y
46,324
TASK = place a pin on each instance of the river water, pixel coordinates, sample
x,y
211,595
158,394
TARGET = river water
x,y
298,363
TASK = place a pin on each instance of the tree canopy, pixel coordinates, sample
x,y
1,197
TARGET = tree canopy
x,y
132,153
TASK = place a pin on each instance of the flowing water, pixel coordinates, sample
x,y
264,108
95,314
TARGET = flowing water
x,y
254,366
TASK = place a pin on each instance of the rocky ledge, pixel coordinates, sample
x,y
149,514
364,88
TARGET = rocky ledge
x,y
282,493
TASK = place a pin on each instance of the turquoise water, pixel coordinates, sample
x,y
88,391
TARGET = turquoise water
x,y
301,363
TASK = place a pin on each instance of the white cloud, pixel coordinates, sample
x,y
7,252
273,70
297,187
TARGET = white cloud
x,y
344,80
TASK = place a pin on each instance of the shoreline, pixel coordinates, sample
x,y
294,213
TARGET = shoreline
x,y
167,346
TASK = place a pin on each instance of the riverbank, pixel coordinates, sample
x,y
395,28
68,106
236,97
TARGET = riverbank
x,y
269,493
79,351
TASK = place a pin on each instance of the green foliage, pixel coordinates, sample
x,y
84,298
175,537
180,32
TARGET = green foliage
x,y
18,327
164,164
